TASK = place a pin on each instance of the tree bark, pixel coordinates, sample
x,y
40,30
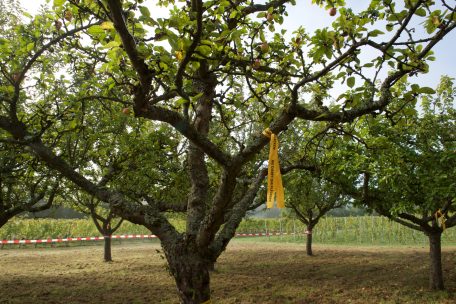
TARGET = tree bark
x,y
3,220
107,248
191,274
211,267
309,240
436,274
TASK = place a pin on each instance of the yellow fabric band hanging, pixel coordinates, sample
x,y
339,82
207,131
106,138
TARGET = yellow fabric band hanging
x,y
275,187
438,214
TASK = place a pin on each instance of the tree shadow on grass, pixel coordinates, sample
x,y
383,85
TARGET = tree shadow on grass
x,y
336,276
270,273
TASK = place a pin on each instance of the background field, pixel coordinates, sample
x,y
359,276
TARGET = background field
x,y
365,230
248,272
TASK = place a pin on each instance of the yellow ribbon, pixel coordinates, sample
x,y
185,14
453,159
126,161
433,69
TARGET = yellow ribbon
x,y
275,187
442,221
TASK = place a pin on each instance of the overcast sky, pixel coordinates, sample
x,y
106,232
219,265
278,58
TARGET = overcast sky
x,y
313,17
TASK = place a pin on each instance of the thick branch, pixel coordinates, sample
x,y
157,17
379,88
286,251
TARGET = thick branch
x,y
129,44
144,215
236,216
185,128
166,206
219,207
451,221
198,10
259,140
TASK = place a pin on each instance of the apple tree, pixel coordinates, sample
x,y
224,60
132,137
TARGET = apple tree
x,y
316,189
214,74
310,198
412,177
25,185
406,165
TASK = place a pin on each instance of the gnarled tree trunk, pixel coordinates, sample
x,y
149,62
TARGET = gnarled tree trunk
x,y
191,274
435,250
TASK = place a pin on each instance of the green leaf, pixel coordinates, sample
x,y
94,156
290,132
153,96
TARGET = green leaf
x,y
111,44
261,15
107,25
95,30
351,81
73,124
421,12
181,101
341,74
426,90
375,33
30,46
58,3
196,97
204,50
144,11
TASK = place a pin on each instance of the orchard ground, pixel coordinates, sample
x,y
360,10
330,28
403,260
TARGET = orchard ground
x,y
248,272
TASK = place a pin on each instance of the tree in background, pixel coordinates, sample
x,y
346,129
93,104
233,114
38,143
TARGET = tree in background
x,y
412,179
25,186
310,198
103,218
408,167
214,75
107,223
310,193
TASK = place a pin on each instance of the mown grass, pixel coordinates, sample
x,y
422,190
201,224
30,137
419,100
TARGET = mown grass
x,y
248,272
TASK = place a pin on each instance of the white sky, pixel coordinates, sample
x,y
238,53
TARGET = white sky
x,y
313,17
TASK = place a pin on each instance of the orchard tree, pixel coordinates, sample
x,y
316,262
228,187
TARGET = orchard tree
x,y
107,223
216,72
104,219
412,172
406,164
312,192
310,198
25,186
133,169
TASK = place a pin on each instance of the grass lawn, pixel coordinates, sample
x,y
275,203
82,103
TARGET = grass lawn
x,y
248,272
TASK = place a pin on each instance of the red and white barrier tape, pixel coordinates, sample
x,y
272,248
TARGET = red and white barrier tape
x,y
74,239
260,234
126,236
